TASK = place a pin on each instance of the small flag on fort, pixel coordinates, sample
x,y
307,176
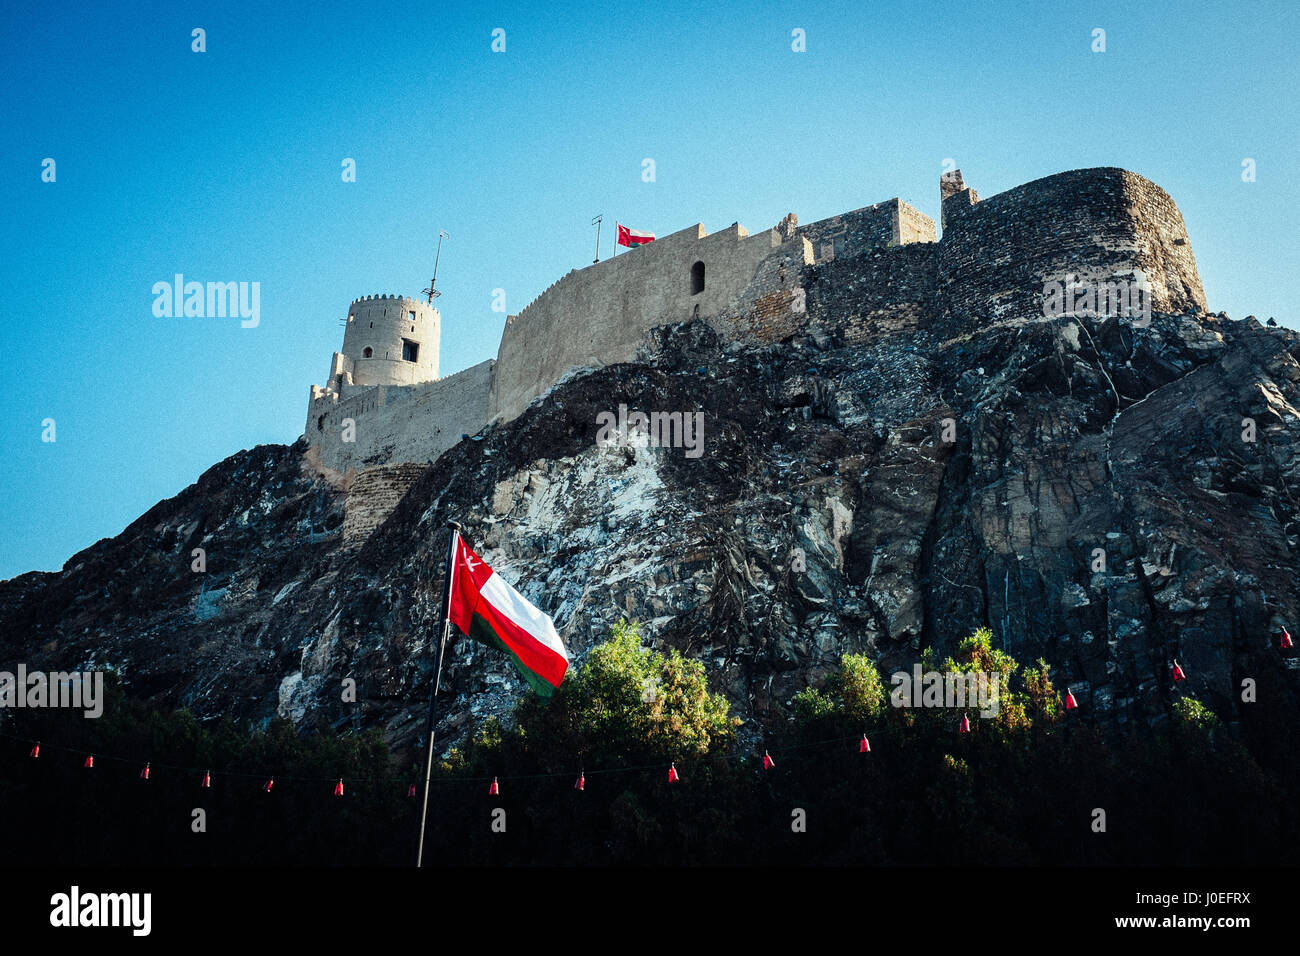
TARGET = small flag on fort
x,y
633,237
486,609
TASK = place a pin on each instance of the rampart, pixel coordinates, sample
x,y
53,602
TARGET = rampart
x,y
599,315
389,423
892,223
996,254
880,292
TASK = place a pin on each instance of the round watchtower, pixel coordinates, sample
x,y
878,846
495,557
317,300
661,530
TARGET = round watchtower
x,y
392,340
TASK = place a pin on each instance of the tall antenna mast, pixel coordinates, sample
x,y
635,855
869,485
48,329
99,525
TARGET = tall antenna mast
x,y
432,292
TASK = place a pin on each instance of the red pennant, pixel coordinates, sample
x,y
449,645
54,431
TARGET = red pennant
x,y
207,779
1070,702
582,782
965,724
672,774
338,788
90,762
144,774
1178,673
269,784
865,746
494,789
411,791
1285,641
36,751
768,762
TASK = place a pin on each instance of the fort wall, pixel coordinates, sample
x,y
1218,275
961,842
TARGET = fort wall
x,y
867,273
599,315
996,254
412,423
885,224
372,498
884,291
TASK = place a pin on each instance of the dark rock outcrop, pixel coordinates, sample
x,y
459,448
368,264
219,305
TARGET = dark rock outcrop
x,y
1081,486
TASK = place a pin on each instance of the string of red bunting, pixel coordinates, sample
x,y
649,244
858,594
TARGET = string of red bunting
x,y
494,789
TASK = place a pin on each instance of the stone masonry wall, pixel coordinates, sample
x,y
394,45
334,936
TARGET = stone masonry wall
x,y
599,315
865,273
772,307
374,494
381,323
410,423
853,233
884,291
997,254
912,225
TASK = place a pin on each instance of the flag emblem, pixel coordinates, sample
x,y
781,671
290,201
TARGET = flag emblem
x,y
633,237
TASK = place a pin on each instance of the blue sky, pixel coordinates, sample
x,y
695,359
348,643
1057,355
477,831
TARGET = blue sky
x,y
225,166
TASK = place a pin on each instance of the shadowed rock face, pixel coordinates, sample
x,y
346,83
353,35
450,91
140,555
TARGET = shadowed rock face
x,y
1074,440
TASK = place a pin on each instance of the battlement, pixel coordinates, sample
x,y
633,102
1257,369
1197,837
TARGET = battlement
x,y
599,314
883,225
626,266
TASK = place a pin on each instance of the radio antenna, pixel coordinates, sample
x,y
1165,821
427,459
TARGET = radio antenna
x,y
432,292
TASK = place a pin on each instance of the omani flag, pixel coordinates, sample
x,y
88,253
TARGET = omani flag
x,y
486,609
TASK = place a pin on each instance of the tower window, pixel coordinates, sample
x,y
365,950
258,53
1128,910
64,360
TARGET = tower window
x,y
412,316
367,352
697,278
410,350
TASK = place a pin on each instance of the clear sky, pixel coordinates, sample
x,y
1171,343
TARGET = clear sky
x,y
226,166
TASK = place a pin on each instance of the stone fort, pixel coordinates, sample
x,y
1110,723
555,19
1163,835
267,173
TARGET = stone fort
x,y
385,412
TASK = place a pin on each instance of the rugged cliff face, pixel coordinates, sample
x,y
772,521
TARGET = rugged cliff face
x,y
826,514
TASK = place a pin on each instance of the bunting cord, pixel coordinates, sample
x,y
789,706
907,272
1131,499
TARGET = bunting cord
x,y
445,779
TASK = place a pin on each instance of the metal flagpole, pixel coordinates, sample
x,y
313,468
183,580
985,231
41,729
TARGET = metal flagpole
x,y
437,674
596,222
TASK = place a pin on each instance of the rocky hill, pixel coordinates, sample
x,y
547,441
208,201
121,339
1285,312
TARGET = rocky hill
x,y
828,513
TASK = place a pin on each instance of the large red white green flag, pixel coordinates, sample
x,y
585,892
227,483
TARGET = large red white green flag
x,y
486,609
